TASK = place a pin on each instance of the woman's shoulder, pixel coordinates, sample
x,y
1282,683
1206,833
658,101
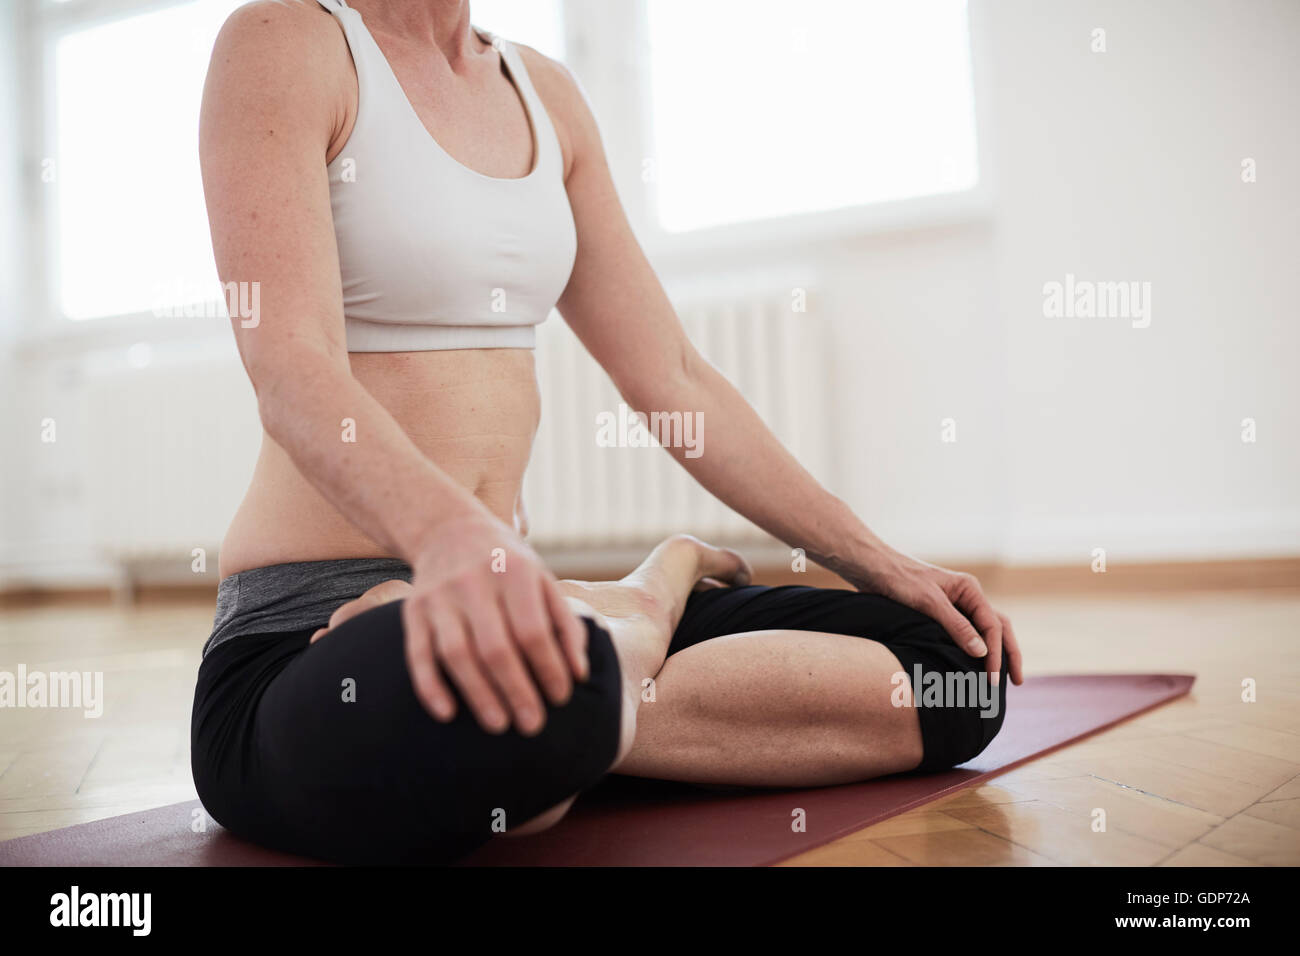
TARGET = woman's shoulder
x,y
301,33
259,59
564,99
551,78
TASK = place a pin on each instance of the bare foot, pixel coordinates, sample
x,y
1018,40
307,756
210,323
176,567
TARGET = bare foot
x,y
652,598
641,611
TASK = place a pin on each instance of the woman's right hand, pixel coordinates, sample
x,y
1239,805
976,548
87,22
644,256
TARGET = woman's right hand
x,y
485,613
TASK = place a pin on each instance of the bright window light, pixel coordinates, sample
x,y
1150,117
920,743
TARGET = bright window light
x,y
536,23
132,231
765,108
131,227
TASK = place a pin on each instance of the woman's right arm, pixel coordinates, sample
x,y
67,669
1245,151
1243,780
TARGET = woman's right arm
x,y
272,108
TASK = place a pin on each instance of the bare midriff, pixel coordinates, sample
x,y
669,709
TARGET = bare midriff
x,y
473,412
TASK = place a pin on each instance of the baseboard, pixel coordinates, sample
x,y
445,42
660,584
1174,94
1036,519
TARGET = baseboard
x,y
1145,577
154,594
1139,578
27,596
1139,539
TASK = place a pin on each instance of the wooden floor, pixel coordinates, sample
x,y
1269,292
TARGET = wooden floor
x,y
1207,780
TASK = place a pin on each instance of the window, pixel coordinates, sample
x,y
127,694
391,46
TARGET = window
x,y
130,230
128,223
537,23
765,108
756,109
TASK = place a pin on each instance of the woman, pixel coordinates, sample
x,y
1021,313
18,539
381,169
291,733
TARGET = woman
x,y
413,196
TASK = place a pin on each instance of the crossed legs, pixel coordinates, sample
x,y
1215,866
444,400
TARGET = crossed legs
x,y
320,747
773,707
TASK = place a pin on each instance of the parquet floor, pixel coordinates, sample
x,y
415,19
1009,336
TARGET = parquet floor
x,y
1207,780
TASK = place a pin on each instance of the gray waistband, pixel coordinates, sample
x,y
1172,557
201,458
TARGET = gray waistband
x,y
294,597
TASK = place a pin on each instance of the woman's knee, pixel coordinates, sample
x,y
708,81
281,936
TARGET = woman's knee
x,y
587,730
961,710
505,783
612,683
535,779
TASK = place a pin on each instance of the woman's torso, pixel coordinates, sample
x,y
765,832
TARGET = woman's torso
x,y
472,411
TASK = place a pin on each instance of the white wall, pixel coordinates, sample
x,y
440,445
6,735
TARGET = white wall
x,y
14,456
1127,165
1072,433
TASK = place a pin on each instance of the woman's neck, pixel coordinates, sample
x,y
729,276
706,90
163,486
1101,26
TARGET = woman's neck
x,y
441,23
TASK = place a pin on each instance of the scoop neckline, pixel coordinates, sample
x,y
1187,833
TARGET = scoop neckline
x,y
498,44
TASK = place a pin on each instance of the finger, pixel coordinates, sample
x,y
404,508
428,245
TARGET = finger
x,y
530,626
456,657
504,666
1015,661
489,671
428,685
969,598
989,625
573,633
955,623
320,632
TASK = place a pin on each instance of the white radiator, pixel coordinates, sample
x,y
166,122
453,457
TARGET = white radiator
x,y
580,494
173,445
172,448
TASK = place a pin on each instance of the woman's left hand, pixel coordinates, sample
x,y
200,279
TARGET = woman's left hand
x,y
952,598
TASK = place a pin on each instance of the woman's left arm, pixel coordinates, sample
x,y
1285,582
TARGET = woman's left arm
x,y
617,307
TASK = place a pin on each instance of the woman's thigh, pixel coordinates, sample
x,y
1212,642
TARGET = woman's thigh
x,y
776,708
343,762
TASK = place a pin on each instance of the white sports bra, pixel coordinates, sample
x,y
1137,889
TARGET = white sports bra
x,y
434,255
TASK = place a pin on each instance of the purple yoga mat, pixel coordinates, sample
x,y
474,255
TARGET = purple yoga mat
x,y
627,822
